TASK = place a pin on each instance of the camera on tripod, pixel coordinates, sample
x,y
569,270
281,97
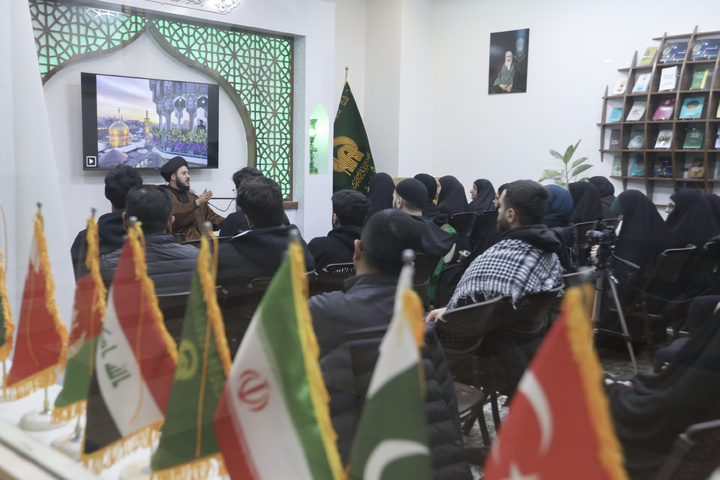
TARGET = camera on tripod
x,y
605,239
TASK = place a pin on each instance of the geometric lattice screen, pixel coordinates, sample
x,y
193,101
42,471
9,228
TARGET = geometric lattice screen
x,y
254,69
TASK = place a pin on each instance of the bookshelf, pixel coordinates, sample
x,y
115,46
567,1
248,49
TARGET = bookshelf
x,y
683,93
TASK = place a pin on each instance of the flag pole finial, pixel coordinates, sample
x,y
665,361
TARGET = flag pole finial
x,y
346,71
206,228
294,235
39,205
133,220
93,211
408,256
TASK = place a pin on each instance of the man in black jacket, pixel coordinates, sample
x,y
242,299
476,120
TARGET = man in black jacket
x,y
350,209
170,265
349,327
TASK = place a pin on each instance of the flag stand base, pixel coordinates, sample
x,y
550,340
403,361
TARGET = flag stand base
x,y
39,421
69,446
139,470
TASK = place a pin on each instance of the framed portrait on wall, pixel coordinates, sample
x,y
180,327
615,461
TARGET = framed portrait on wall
x,y
508,61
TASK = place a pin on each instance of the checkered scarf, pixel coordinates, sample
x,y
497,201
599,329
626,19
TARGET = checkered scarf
x,y
511,268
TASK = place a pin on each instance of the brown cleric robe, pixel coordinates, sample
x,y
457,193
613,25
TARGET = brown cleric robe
x,y
188,217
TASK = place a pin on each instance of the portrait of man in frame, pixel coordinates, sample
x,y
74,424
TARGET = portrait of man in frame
x,y
508,61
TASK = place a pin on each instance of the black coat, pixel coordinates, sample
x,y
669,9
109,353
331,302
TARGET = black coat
x,y
337,247
111,233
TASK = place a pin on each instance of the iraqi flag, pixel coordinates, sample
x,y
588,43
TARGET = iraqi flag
x,y
559,424
134,365
273,420
88,313
41,344
391,439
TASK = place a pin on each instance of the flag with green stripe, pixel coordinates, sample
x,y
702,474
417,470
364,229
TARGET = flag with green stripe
x,y
188,447
273,420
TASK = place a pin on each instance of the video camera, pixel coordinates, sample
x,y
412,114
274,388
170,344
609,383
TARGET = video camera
x,y
605,239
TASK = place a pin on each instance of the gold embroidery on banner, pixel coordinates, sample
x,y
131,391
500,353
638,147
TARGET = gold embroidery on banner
x,y
347,156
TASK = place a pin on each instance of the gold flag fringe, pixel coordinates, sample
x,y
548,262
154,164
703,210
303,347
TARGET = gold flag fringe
x,y
34,382
6,348
311,352
106,457
92,262
413,309
580,337
68,412
206,467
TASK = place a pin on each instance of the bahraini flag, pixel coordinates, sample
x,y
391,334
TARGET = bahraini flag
x,y
188,447
559,423
134,365
41,343
88,313
391,439
273,420
353,164
7,327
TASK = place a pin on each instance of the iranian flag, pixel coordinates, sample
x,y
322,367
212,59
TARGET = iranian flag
x,y
273,420
88,313
41,344
134,365
391,439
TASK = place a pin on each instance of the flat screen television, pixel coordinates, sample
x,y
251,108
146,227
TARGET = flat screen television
x,y
144,122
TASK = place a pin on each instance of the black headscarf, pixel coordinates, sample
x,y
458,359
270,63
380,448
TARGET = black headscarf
x,y
430,210
484,197
380,192
689,221
644,234
586,202
607,195
650,415
713,202
452,197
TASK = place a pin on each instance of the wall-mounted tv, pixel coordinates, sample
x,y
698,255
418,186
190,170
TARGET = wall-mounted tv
x,y
144,122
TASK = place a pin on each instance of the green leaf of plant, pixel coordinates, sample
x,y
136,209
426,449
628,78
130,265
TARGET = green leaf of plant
x,y
580,169
568,154
576,145
556,154
549,174
583,179
578,161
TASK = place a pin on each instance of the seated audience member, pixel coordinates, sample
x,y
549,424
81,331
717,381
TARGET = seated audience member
x,y
586,203
557,219
713,202
689,218
409,196
170,265
190,210
257,252
350,210
451,198
606,190
651,409
111,231
349,327
482,195
380,192
430,209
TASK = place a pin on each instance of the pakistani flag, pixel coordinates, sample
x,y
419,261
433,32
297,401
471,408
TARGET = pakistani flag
x,y
273,420
6,324
88,313
391,440
188,447
353,164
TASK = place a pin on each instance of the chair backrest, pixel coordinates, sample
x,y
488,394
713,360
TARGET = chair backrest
x,y
173,307
460,330
532,314
582,229
331,278
575,279
707,259
669,264
425,265
463,223
610,222
695,455
239,308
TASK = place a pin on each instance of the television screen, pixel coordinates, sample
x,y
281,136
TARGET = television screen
x,y
145,122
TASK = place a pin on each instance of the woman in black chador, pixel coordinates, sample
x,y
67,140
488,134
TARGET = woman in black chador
x,y
482,195
380,192
607,195
451,199
586,203
689,218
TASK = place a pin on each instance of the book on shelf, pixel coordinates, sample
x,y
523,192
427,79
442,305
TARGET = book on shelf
x,y
694,137
663,167
648,56
664,139
665,109
717,172
668,79
706,49
717,140
637,169
637,111
699,79
717,114
615,139
697,168
637,139
616,115
620,86
692,107
674,52
642,82
617,166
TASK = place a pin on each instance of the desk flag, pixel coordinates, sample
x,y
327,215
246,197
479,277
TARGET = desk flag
x,y
392,438
88,313
273,420
134,365
188,448
41,344
559,423
353,164
7,328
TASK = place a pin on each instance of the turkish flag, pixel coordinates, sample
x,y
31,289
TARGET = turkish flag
x,y
559,424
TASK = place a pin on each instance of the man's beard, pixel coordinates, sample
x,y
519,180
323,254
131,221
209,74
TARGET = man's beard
x,y
508,64
183,187
502,225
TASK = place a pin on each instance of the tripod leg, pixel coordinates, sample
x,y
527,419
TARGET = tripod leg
x,y
623,325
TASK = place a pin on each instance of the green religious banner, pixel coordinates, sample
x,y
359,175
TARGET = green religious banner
x,y
353,165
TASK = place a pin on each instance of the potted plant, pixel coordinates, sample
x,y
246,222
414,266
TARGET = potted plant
x,y
571,170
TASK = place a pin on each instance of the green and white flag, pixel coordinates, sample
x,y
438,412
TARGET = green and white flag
x,y
391,441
